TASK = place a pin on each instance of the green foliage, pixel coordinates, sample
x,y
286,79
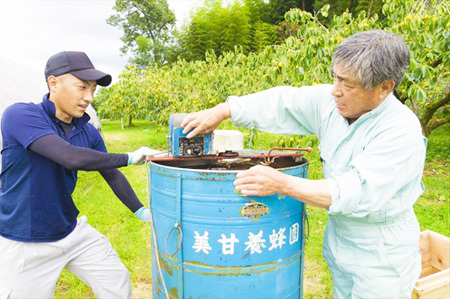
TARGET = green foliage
x,y
257,10
277,9
124,99
354,7
215,28
249,24
433,207
370,7
296,141
264,34
305,59
426,27
146,26
237,31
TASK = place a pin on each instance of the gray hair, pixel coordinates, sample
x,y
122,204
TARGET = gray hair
x,y
373,56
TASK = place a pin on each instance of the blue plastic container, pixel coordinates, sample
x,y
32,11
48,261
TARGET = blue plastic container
x,y
215,243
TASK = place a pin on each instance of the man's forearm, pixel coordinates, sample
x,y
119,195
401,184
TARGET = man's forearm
x,y
312,192
69,156
122,188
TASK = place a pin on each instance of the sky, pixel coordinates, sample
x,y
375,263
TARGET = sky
x,y
33,30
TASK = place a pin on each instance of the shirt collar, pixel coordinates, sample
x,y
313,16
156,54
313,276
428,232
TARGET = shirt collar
x,y
50,109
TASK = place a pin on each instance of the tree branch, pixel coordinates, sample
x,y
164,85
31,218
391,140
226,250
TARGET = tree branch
x,y
437,62
434,124
414,106
149,31
431,109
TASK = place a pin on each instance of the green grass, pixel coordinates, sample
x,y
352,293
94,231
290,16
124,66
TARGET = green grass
x,y
433,208
131,237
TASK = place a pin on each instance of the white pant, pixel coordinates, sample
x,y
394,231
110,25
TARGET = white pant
x,y
31,270
373,260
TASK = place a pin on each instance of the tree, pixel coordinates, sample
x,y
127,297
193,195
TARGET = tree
x,y
337,7
264,35
305,59
261,33
278,8
220,29
147,25
237,31
124,99
425,25
257,10
217,28
371,7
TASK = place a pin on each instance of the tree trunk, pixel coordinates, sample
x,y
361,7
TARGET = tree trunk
x,y
433,125
431,109
369,13
121,122
130,120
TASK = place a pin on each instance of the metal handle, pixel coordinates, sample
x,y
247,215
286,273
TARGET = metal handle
x,y
305,217
180,240
308,149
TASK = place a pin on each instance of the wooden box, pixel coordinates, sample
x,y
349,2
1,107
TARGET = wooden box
x,y
434,281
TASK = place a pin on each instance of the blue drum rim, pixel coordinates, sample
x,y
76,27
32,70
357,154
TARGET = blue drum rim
x,y
219,171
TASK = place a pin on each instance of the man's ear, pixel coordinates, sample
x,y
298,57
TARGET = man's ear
x,y
387,87
52,82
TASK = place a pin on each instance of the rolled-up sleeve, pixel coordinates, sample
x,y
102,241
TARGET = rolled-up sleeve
x,y
345,191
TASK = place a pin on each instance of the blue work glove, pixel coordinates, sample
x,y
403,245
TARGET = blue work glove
x,y
143,214
138,157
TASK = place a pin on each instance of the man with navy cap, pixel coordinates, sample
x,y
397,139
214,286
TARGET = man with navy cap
x,y
44,145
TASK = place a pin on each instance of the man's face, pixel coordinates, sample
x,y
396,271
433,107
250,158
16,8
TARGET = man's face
x,y
71,96
352,100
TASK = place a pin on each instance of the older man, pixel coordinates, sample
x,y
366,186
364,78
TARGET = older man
x,y
373,155
44,145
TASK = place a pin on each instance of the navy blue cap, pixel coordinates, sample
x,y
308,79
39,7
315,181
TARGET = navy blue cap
x,y
77,64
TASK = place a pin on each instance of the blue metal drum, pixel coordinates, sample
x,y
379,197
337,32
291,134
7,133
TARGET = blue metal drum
x,y
211,242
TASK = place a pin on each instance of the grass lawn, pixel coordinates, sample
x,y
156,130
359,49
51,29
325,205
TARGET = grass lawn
x,y
131,237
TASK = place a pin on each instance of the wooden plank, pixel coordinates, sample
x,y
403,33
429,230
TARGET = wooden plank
x,y
426,270
433,286
424,245
440,250
434,282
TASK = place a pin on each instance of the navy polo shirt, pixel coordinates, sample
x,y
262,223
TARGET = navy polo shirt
x,y
36,193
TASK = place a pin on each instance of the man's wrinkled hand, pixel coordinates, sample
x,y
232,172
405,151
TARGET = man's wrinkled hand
x,y
205,121
260,181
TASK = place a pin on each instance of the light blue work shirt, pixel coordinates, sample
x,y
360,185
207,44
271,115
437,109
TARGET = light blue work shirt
x,y
373,166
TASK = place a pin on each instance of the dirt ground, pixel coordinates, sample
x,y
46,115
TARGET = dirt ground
x,y
143,290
